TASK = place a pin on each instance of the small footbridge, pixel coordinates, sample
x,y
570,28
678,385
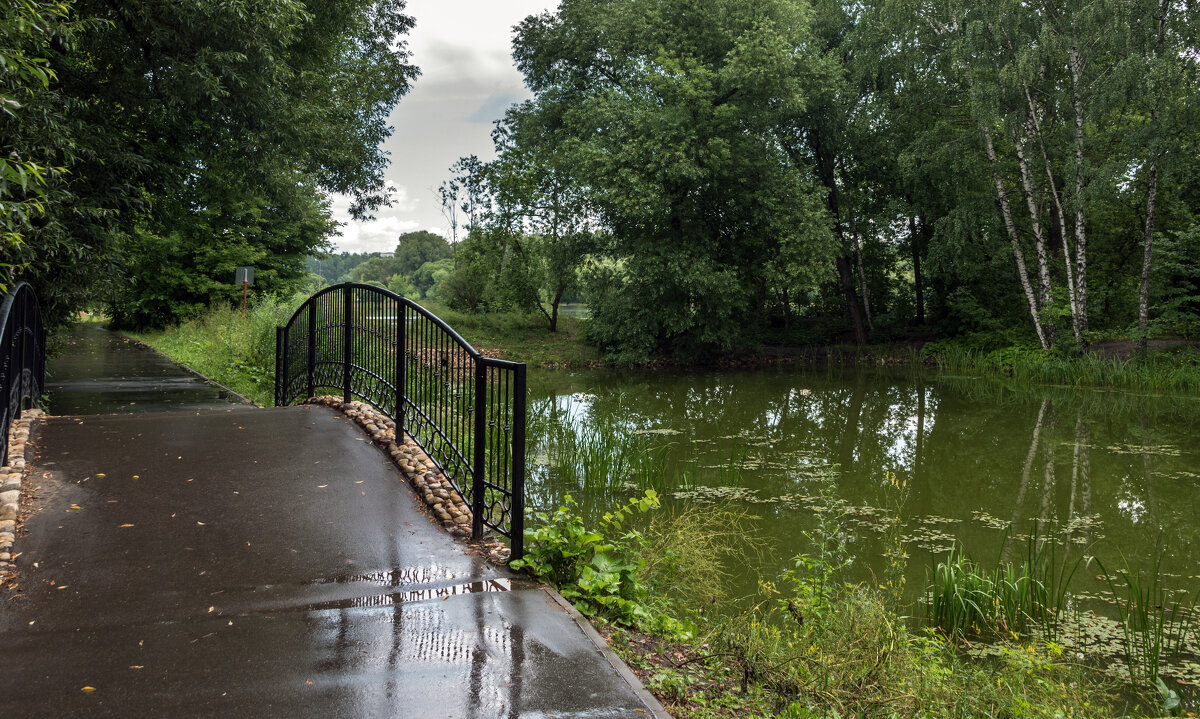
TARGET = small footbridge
x,y
465,410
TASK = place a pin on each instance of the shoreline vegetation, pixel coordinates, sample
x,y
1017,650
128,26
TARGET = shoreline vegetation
x,y
240,352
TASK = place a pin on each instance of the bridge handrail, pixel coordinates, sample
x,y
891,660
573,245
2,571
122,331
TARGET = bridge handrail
x,y
465,410
22,358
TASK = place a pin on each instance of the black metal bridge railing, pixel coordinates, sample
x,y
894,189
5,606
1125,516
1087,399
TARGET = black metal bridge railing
x,y
22,358
465,410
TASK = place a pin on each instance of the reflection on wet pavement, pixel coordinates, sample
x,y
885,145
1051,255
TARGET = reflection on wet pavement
x,y
100,372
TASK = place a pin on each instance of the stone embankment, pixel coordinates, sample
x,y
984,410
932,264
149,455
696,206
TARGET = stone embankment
x,y
430,483
12,474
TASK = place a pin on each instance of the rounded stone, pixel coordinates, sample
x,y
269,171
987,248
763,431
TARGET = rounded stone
x,y
462,519
8,512
8,525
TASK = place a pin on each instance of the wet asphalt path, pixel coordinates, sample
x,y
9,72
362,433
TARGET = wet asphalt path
x,y
99,372
268,563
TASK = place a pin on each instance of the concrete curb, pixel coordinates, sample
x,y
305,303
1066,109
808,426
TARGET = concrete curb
x,y
652,705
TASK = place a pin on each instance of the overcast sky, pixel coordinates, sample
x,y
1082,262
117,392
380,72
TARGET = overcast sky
x,y
464,50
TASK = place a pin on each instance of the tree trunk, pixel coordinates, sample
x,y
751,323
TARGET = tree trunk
x,y
1151,193
1147,257
846,274
1045,290
863,291
1018,253
554,310
1077,322
918,283
1080,228
787,317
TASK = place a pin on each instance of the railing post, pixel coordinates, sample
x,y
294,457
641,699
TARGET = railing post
x,y
401,343
312,349
348,336
477,470
280,367
517,510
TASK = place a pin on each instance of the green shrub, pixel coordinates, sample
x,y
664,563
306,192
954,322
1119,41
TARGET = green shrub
x,y
597,574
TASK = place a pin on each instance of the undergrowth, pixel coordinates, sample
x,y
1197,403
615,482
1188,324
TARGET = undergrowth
x,y
813,645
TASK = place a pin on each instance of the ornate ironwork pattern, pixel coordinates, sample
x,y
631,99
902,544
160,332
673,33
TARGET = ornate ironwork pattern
x,y
465,410
22,358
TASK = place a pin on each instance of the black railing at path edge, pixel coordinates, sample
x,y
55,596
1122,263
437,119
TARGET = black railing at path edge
x,y
465,410
23,358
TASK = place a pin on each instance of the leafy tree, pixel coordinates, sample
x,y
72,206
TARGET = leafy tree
x,y
376,269
334,267
540,201
430,275
163,111
416,248
671,112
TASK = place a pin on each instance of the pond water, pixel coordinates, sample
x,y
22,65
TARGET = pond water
x,y
1111,474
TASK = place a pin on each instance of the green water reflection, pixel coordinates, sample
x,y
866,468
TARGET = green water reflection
x,y
1109,470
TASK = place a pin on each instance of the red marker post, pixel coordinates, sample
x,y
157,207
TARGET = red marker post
x,y
244,275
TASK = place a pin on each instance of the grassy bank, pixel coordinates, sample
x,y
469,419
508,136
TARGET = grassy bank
x,y
812,645
1174,369
522,337
240,352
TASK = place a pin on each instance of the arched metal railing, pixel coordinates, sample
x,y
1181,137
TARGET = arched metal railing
x,y
22,358
465,410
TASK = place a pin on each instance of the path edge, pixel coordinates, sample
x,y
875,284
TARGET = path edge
x,y
209,380
619,666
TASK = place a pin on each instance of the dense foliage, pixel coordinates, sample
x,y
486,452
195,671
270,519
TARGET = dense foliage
x,y
721,173
169,144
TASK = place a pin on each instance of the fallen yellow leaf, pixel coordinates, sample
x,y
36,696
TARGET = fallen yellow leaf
x,y
101,474
88,690
126,525
322,486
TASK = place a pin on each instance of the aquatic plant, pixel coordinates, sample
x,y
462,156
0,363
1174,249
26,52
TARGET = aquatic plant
x,y
1155,622
964,598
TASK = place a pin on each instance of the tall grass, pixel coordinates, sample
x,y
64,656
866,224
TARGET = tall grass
x,y
1009,599
1155,622
1160,371
596,452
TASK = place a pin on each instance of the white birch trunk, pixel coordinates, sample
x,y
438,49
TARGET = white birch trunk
x,y
1018,253
1035,221
1062,220
1080,228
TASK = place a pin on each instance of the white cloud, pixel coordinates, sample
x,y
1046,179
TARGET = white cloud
x,y
467,80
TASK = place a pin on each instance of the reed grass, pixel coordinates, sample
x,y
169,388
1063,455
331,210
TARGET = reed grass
x,y
1155,622
1176,370
1010,599
595,452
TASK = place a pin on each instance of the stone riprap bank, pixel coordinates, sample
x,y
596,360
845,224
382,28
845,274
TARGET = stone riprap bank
x,y
430,483
12,474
